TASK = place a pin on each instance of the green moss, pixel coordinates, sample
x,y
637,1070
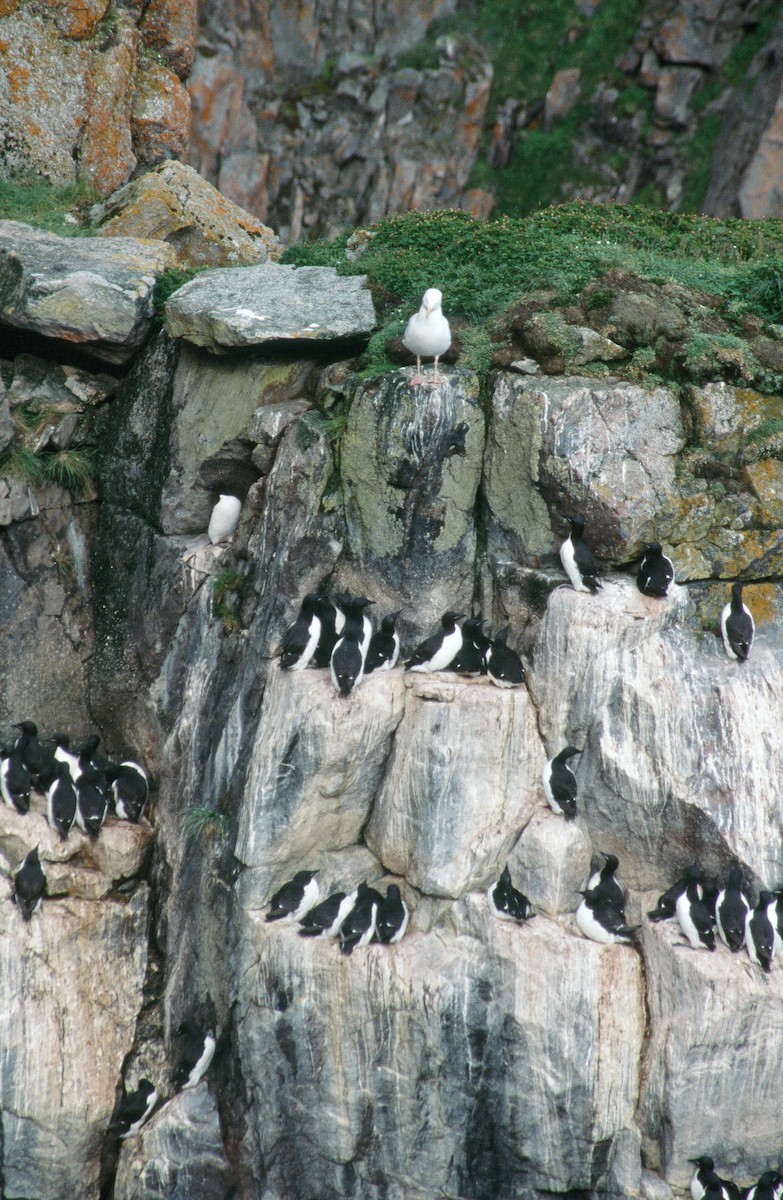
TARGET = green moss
x,y
41,204
169,282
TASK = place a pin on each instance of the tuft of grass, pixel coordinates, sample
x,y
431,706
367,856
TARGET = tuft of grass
x,y
72,469
199,820
61,210
226,598
24,464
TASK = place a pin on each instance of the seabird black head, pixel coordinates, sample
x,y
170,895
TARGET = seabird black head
x,y
610,860
653,547
28,727
568,752
704,1161
577,525
449,619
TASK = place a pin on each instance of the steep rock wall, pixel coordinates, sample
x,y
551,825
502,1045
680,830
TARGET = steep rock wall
x,y
473,1058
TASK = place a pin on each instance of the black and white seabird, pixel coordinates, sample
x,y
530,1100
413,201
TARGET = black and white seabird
x,y
133,1110
193,1048
61,801
577,559
706,1184
604,884
471,658
33,755
331,614
29,885
736,626
224,518
427,334
392,917
705,1168
63,753
384,646
350,652
436,653
15,781
695,919
602,921
358,928
295,898
506,902
560,783
760,931
666,906
504,666
129,784
325,919
656,571
769,1187
731,910
301,639
92,801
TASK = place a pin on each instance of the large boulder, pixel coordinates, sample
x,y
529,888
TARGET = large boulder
x,y
221,310
86,292
173,204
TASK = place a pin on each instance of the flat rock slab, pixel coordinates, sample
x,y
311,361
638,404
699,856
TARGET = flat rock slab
x,y
248,306
92,292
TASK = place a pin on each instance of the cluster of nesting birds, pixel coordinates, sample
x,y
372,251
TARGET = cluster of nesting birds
x,y
79,785
338,633
701,905
356,918
654,578
706,1184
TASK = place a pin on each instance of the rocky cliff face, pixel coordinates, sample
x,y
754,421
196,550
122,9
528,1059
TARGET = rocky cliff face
x,y
475,1058
316,117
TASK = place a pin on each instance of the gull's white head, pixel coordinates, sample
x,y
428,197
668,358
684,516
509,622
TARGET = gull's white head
x,y
431,299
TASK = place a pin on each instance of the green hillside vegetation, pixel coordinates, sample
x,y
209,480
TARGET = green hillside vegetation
x,y
529,41
574,260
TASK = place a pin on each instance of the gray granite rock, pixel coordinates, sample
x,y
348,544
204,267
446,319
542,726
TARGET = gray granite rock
x,y
7,427
316,764
410,466
95,293
462,782
71,991
680,757
711,1084
551,861
249,306
536,1035
178,1155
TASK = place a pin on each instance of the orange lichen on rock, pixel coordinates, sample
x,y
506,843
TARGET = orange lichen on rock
x,y
160,116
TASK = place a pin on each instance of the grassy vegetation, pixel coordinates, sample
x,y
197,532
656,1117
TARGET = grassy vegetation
x,y
226,596
528,41
72,469
169,282
484,268
61,210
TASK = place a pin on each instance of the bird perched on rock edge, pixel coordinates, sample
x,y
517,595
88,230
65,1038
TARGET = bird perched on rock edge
x,y
427,334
